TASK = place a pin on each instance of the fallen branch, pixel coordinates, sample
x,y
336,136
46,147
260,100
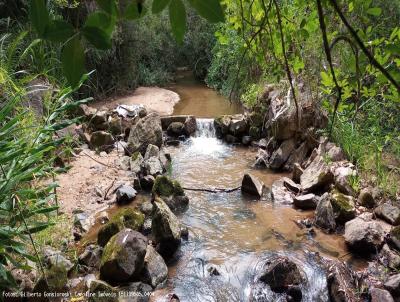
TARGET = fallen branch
x,y
97,161
108,189
213,190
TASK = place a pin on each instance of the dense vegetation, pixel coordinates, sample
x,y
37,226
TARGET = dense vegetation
x,y
345,52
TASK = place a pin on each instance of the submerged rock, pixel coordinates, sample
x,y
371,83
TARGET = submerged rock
x,y
252,185
280,273
146,131
123,257
165,228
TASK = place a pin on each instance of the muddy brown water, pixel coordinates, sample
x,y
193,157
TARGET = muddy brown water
x,y
231,232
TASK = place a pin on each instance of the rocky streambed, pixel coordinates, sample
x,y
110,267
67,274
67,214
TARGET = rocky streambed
x,y
243,207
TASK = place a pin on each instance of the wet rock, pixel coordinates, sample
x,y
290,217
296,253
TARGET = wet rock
x,y
172,142
366,198
56,281
343,175
280,193
171,192
184,233
306,202
291,185
389,213
125,194
252,185
281,155
167,120
343,207
146,131
82,221
146,208
393,285
213,271
142,292
155,271
91,256
100,291
165,160
297,172
365,235
238,125
147,182
123,257
230,139
153,166
107,231
151,151
380,295
254,133
280,273
176,129
389,258
324,216
297,156
262,158
246,140
136,162
165,228
53,258
190,125
316,176
294,294
221,124
102,140
341,282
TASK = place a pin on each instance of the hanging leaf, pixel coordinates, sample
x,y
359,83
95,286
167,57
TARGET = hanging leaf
x,y
102,21
97,37
109,6
134,11
177,18
39,15
374,11
73,61
159,5
58,31
209,9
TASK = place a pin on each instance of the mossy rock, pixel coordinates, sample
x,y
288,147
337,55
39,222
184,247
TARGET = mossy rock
x,y
98,289
124,218
57,279
254,132
135,155
164,186
343,206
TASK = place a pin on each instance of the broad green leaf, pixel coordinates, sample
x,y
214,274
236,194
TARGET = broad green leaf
x,y
351,7
374,11
209,9
109,6
102,21
97,37
133,11
73,61
177,18
159,5
39,15
58,31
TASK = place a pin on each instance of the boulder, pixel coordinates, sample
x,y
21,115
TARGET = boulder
x,y
101,291
82,221
280,273
136,162
115,125
190,125
222,124
238,125
91,256
252,185
176,129
366,198
380,295
280,193
297,156
86,111
146,208
125,194
343,207
389,213
324,216
53,258
389,258
167,120
107,231
151,151
147,182
343,174
146,131
102,140
262,158
341,282
317,176
395,237
392,284
246,140
165,228
165,187
281,155
297,172
142,292
56,281
365,235
306,202
334,153
155,271
123,257
254,133
152,166
231,139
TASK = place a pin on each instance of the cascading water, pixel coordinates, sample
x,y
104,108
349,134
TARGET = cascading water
x,y
205,128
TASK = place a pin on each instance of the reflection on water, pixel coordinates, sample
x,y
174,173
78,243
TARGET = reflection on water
x,y
232,232
199,100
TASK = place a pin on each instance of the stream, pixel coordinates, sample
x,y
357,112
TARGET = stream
x,y
230,234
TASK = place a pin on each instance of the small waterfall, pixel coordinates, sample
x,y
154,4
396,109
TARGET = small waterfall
x,y
205,128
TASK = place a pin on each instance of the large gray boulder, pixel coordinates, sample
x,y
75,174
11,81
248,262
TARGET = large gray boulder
x,y
165,228
102,140
125,194
252,185
146,131
324,215
155,271
317,175
389,213
306,202
365,235
123,257
281,155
